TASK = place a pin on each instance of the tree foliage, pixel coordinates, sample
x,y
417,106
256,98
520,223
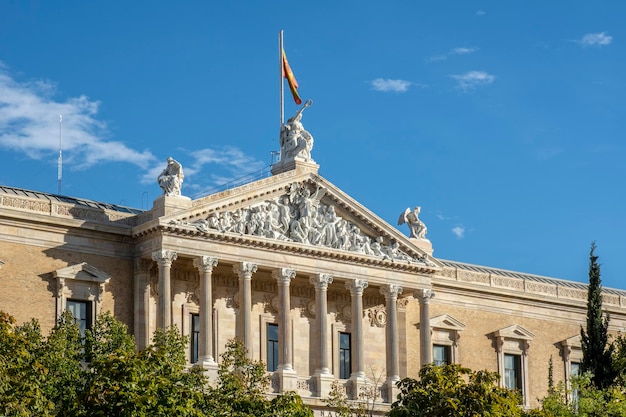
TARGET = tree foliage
x,y
103,374
597,353
454,391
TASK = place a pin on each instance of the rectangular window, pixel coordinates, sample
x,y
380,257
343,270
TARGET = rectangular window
x,y
194,332
441,355
272,347
513,372
345,369
575,369
82,314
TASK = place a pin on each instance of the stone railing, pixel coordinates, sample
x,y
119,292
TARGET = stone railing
x,y
67,210
549,289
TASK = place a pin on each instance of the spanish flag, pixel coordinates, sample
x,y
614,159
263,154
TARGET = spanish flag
x,y
291,79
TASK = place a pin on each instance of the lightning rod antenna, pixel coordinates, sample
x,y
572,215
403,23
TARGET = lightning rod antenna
x,y
60,162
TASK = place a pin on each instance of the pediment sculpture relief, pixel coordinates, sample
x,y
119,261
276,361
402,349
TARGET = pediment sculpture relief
x,y
300,216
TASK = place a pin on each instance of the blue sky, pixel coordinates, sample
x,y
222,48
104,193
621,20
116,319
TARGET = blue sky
x,y
503,120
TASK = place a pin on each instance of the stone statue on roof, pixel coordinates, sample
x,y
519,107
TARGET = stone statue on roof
x,y
171,178
295,142
416,226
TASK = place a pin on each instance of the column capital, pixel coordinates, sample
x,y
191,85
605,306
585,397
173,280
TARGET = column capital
x,y
142,265
356,286
284,275
391,291
321,281
164,257
205,263
424,295
245,269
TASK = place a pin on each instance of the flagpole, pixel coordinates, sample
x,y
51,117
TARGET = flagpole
x,y
280,73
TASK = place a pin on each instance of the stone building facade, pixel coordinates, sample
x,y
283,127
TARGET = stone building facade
x,y
314,284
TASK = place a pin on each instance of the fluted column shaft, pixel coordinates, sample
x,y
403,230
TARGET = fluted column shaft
x,y
356,288
321,282
205,265
426,348
283,277
165,258
391,292
142,302
245,270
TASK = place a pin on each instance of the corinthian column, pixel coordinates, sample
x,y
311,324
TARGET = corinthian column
x,y
426,348
357,377
205,265
287,376
391,292
322,374
244,271
165,258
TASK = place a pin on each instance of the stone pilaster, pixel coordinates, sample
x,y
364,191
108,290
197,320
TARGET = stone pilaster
x,y
391,292
323,376
244,271
426,346
287,376
205,265
142,302
357,378
164,259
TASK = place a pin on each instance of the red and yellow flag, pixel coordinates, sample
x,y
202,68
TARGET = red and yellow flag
x,y
291,79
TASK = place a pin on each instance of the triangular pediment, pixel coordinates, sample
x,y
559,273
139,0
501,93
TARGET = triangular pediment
x,y
446,321
82,272
514,331
574,341
301,210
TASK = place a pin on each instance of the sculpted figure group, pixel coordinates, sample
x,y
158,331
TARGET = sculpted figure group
x,y
299,216
295,142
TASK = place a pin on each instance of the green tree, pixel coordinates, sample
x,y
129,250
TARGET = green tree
x,y
597,354
454,391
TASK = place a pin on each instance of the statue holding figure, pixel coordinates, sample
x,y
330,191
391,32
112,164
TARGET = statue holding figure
x,y
416,226
171,178
295,142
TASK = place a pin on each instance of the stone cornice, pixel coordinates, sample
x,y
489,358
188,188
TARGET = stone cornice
x,y
285,247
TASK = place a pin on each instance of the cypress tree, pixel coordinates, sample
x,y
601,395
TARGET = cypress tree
x,y
596,353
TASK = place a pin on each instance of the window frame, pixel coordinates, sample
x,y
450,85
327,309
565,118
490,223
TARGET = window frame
x,y
514,340
446,331
194,337
271,347
447,357
88,319
344,362
80,282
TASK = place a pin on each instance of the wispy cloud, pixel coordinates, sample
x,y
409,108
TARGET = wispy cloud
x,y
387,85
473,79
29,123
453,51
480,13
596,39
459,232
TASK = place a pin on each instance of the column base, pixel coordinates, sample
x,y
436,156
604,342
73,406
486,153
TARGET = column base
x,y
324,383
210,369
357,384
391,391
287,380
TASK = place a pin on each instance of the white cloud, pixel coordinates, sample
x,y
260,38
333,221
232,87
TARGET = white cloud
x,y
596,39
454,51
480,13
462,51
29,123
459,232
398,86
472,79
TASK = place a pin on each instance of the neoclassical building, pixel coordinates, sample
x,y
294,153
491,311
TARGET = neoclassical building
x,y
313,283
